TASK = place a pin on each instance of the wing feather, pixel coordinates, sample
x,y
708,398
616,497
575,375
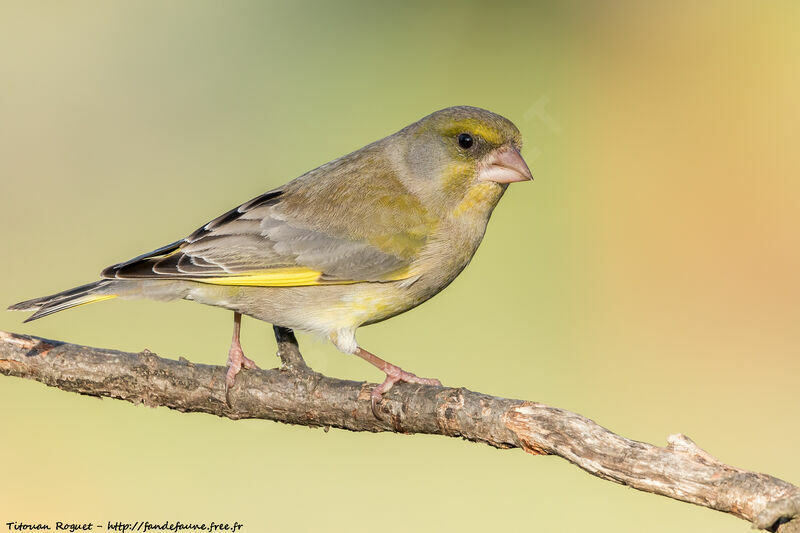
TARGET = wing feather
x,y
280,239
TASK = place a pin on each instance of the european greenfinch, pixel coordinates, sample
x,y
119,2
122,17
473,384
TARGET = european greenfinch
x,y
351,243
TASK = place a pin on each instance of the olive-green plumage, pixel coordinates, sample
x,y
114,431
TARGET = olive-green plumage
x,y
353,242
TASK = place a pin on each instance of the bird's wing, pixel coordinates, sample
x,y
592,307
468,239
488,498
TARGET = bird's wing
x,y
303,234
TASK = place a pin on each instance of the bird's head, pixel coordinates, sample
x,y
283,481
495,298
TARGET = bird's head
x,y
463,154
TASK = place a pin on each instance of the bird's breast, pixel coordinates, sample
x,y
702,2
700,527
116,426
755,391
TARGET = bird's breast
x,y
450,249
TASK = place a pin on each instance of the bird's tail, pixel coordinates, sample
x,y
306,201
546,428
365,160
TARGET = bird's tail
x,y
85,294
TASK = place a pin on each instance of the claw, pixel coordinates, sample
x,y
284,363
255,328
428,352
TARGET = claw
x,y
236,358
393,375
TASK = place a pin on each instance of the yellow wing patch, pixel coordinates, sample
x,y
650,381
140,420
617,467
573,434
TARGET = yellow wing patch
x,y
286,277
283,277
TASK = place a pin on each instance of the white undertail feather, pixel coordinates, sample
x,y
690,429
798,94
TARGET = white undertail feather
x,y
345,340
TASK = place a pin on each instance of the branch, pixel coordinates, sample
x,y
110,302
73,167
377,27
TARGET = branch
x,y
295,394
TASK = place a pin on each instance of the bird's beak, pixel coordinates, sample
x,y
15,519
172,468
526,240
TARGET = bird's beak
x,y
504,165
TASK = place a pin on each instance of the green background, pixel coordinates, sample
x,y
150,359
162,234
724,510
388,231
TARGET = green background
x,y
647,278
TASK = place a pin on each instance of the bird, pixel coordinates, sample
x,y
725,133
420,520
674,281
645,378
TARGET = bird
x,y
353,242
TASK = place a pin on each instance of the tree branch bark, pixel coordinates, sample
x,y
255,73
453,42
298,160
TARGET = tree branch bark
x,y
295,394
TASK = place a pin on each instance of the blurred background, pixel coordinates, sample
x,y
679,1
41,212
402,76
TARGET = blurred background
x,y
647,278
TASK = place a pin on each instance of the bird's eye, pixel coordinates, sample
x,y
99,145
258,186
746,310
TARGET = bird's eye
x,y
465,140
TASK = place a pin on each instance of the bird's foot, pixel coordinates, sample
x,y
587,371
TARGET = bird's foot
x,y
393,375
236,360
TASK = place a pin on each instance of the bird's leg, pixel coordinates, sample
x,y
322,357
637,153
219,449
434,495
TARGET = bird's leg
x,y
288,350
236,358
393,375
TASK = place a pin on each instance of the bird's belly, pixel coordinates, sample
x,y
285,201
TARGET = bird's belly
x,y
320,309
327,308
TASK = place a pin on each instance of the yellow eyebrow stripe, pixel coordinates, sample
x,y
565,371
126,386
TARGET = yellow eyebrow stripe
x,y
492,135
